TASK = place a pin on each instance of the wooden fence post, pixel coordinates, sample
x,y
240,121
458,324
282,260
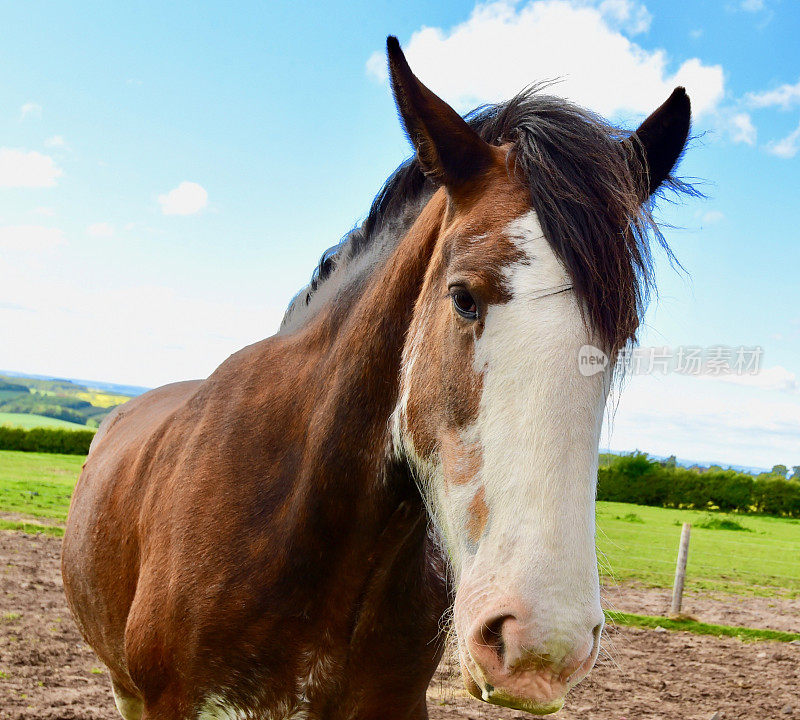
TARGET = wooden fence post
x,y
680,571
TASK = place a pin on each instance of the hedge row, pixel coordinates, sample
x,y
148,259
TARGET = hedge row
x,y
47,440
637,479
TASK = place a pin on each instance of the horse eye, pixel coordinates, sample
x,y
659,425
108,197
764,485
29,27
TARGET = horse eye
x,y
464,303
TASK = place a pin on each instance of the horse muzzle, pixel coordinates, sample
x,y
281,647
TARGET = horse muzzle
x,y
502,663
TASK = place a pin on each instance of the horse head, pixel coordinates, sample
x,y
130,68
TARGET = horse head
x,y
541,251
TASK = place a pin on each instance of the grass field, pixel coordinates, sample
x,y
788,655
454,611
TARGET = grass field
x,y
760,557
37,485
27,421
635,542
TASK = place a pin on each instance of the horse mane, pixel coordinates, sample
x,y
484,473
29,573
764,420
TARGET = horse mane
x,y
586,185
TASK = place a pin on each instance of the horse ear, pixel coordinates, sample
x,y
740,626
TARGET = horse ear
x,y
449,150
661,138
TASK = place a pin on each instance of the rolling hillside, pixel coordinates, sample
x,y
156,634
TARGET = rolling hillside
x,y
41,402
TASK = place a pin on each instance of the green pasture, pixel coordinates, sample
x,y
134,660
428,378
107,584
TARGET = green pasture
x,y
744,554
28,421
37,485
759,556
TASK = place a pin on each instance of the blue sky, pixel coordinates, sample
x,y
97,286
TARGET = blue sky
x,y
169,174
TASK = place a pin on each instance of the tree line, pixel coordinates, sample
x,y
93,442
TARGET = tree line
x,y
46,440
638,479
634,478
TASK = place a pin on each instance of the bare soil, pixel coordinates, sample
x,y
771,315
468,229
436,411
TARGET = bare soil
x,y
48,672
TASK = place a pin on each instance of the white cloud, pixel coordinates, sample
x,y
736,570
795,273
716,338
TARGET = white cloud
x,y
774,378
30,110
783,97
752,5
629,16
101,229
712,217
20,168
742,129
503,47
696,34
787,147
44,211
376,66
57,141
186,199
29,238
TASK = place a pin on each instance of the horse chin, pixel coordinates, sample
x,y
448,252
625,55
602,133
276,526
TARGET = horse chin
x,y
496,696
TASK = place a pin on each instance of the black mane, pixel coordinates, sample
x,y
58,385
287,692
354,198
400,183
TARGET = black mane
x,y
586,183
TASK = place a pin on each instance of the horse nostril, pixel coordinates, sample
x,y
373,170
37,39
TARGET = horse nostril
x,y
491,636
597,632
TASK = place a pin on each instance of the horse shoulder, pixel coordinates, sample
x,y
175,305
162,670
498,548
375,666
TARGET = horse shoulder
x,y
100,553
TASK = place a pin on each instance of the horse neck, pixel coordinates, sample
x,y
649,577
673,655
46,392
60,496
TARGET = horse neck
x,y
350,495
363,350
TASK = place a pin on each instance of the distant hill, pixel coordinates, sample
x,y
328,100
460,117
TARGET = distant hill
x,y
683,462
38,401
115,388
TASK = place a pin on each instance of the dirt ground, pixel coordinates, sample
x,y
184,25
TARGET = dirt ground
x,y
47,672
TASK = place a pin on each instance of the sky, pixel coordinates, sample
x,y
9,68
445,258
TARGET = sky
x,y
170,173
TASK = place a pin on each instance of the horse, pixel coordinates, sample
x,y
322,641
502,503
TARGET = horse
x,y
414,450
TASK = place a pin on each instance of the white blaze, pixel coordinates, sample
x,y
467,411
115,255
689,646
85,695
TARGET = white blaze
x,y
538,427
